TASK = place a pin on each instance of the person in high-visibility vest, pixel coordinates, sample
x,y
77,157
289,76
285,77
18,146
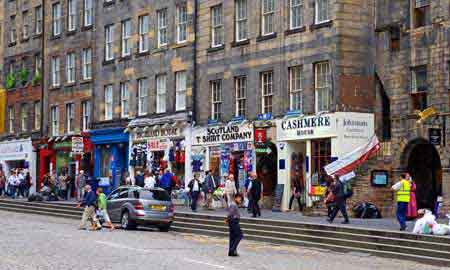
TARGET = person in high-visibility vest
x,y
403,194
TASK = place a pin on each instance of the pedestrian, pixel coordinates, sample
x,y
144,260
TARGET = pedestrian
x,y
194,190
340,199
21,187
62,179
166,181
102,205
330,199
255,188
88,202
54,183
28,183
70,183
2,183
296,189
149,181
403,193
233,219
139,179
209,186
230,189
12,184
412,205
80,182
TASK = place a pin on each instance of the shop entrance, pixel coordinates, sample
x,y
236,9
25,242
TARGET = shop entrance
x,y
424,164
267,170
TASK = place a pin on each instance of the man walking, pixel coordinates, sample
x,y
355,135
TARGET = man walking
x,y
208,187
403,194
340,199
12,183
194,189
255,189
166,181
88,203
80,182
233,218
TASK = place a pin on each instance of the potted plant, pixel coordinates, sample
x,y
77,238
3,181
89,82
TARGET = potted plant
x,y
36,78
23,76
10,81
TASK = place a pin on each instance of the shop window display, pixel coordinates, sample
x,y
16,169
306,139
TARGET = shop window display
x,y
321,156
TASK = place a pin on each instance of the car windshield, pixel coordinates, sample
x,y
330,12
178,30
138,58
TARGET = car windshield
x,y
159,195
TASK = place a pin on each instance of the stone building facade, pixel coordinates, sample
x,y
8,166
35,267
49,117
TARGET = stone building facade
x,y
412,70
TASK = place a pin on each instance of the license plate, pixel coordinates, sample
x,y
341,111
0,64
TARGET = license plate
x,y
158,207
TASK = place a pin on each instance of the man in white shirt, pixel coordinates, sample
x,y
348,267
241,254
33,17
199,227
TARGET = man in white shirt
x,y
194,190
12,184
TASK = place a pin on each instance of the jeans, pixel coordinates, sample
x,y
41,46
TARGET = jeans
x,y
402,208
12,191
254,204
300,206
194,195
340,206
2,191
235,235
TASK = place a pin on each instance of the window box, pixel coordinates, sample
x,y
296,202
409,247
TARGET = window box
x,y
266,37
321,25
87,28
71,33
141,54
55,37
295,31
108,62
108,3
240,43
125,58
216,49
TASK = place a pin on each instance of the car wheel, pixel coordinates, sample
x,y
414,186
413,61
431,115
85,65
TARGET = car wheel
x,y
125,222
164,228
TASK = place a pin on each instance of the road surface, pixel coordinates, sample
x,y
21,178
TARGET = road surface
x,y
31,242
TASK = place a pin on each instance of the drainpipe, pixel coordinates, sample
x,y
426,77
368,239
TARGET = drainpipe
x,y
194,83
42,67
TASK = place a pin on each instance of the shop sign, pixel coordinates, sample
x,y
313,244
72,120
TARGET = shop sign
x,y
15,150
77,145
163,133
157,145
305,127
260,138
435,136
65,144
223,134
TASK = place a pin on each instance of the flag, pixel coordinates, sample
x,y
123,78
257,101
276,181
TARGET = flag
x,y
353,159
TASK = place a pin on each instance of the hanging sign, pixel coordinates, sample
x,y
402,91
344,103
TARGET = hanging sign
x,y
434,136
77,145
157,145
222,134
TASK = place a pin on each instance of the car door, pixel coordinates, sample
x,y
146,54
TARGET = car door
x,y
113,204
122,199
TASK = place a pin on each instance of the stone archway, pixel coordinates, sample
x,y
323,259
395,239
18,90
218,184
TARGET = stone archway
x,y
422,161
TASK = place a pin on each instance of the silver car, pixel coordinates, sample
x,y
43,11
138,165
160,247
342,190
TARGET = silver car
x,y
132,206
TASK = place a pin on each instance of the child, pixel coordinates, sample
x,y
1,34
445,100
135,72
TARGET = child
x,y
102,207
232,220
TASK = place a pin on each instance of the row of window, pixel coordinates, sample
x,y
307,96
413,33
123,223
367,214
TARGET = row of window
x,y
72,15
322,85
70,118
70,67
267,18
143,90
24,117
26,25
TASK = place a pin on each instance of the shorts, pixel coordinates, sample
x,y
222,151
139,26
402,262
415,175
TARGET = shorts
x,y
105,216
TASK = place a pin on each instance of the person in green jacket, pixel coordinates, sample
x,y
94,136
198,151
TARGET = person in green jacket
x,y
102,207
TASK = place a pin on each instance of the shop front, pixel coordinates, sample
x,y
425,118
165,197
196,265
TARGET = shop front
x,y
306,144
159,144
224,150
110,156
18,154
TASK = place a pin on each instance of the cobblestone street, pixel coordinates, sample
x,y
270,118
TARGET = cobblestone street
x,y
30,242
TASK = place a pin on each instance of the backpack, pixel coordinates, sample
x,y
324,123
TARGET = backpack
x,y
348,191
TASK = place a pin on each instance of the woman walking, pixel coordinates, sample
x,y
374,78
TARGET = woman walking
x,y
412,205
230,189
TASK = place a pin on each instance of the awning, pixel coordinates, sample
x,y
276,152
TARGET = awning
x,y
353,159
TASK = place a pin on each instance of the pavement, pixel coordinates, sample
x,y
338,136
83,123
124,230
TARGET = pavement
x,y
32,242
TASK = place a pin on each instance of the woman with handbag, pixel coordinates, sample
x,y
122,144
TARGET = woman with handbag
x,y
330,199
296,194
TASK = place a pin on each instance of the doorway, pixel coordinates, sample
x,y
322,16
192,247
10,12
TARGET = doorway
x,y
424,165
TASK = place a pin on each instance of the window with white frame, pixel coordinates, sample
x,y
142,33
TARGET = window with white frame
x,y
37,116
86,64
267,18
162,27
124,100
295,12
161,93
322,11
143,96
12,30
108,102
296,88
11,119
144,28
26,24
54,114
38,20
323,88
126,38
72,15
70,67
240,16
181,23
240,84
37,64
216,99
56,72
56,19
267,91
216,26
109,54
24,117
180,85
70,117
85,115
88,12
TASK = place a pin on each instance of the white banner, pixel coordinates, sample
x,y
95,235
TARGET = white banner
x,y
222,134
